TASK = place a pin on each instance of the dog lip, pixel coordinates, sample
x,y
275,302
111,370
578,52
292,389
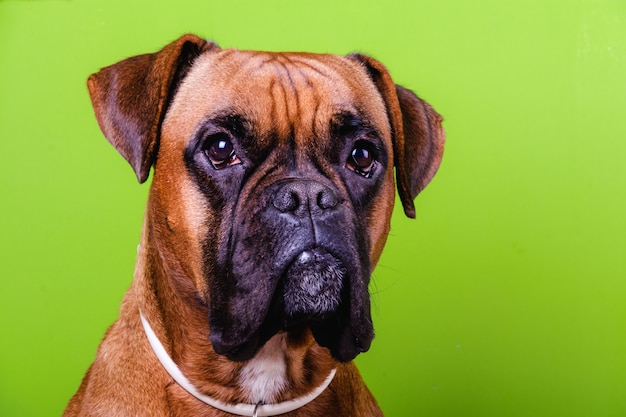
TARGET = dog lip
x,y
305,257
308,257
310,254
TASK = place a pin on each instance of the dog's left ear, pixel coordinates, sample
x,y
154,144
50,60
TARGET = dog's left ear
x,y
130,98
418,136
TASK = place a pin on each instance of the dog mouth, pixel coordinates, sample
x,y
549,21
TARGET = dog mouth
x,y
311,288
313,292
317,295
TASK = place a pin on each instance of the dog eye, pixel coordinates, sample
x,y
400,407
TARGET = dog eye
x,y
362,160
220,151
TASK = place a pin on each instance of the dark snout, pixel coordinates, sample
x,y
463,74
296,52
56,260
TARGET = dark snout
x,y
312,284
299,257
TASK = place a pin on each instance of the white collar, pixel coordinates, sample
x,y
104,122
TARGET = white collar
x,y
237,409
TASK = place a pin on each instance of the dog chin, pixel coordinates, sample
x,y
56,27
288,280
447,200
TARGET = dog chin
x,y
312,294
312,285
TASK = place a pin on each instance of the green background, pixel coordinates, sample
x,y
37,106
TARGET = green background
x,y
506,297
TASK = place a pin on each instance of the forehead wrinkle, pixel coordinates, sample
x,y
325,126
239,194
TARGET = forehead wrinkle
x,y
323,88
310,87
276,75
280,100
288,90
294,104
294,114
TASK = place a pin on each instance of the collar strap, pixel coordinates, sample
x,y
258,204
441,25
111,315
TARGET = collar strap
x,y
241,409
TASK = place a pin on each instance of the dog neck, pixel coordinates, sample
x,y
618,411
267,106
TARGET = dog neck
x,y
240,409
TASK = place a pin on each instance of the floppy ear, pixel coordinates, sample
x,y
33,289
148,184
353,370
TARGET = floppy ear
x,y
418,136
130,98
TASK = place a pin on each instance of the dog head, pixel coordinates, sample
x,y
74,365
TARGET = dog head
x,y
273,180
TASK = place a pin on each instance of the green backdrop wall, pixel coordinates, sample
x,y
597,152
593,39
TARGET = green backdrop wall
x,y
505,297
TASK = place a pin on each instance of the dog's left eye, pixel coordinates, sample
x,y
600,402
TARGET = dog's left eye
x,y
220,151
362,160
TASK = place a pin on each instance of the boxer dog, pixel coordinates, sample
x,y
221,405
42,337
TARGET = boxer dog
x,y
270,204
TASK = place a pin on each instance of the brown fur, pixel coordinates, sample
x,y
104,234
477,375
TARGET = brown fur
x,y
148,107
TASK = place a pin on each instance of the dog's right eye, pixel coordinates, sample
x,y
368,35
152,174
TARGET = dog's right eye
x,y
220,151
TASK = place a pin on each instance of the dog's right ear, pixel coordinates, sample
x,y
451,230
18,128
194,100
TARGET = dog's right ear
x,y
130,98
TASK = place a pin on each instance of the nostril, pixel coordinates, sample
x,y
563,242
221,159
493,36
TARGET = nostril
x,y
287,200
294,201
326,199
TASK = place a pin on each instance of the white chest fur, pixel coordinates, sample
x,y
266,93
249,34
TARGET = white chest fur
x,y
264,377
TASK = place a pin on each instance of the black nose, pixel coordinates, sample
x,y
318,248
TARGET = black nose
x,y
304,196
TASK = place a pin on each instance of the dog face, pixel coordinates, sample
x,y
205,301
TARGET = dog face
x,y
273,181
292,168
